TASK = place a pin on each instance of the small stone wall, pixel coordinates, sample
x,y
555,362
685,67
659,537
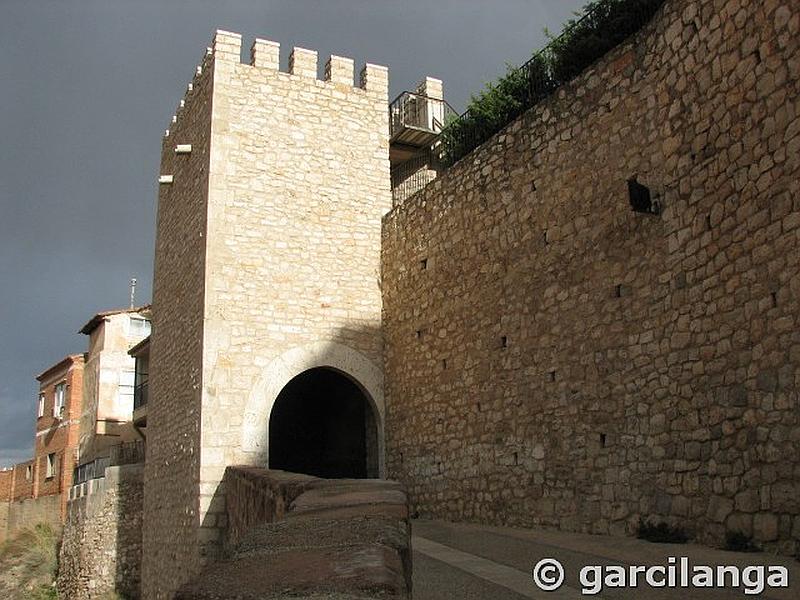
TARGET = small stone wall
x,y
254,497
293,535
31,511
101,549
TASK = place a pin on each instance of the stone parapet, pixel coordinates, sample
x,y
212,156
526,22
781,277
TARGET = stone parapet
x,y
293,535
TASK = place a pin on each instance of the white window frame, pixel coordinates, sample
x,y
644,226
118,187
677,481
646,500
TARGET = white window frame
x,y
40,412
51,466
28,472
138,326
60,398
126,387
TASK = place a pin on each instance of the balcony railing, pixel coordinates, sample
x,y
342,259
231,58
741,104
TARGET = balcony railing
x,y
140,395
416,120
410,176
128,453
93,470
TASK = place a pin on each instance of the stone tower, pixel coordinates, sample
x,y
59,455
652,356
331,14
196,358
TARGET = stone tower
x,y
266,300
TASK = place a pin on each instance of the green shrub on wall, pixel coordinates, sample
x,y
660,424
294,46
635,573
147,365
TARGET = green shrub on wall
x,y
602,26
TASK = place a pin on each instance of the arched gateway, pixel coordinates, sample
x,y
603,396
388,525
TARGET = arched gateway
x,y
318,409
322,424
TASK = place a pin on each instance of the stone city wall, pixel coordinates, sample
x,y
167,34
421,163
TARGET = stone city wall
x,y
101,547
555,359
172,468
4,509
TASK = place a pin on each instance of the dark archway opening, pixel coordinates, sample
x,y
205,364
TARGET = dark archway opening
x,y
323,424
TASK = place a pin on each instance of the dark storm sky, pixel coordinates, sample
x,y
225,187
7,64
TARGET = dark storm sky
x,y
86,90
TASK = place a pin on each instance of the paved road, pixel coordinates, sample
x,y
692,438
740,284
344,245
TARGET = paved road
x,y
471,562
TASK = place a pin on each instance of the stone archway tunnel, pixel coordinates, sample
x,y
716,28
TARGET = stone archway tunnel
x,y
323,424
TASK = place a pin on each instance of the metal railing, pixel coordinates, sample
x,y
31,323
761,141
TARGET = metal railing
x,y
92,470
604,26
418,111
411,176
140,395
127,453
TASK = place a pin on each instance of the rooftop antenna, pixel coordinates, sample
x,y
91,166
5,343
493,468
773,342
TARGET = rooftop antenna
x,y
133,289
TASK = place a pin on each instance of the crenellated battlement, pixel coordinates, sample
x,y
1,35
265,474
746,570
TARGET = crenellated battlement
x,y
191,90
226,47
265,54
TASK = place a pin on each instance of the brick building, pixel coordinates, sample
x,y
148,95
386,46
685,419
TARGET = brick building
x,y
22,479
57,424
6,480
37,490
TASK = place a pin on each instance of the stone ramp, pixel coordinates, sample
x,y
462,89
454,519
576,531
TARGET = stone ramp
x,y
296,536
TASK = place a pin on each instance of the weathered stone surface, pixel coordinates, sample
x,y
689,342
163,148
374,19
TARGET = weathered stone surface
x,y
765,527
101,548
643,358
719,508
314,536
255,496
267,264
367,571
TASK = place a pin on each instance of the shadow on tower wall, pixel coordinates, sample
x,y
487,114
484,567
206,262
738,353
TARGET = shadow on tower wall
x,y
319,411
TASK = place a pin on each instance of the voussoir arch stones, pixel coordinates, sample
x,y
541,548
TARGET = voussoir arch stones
x,y
282,369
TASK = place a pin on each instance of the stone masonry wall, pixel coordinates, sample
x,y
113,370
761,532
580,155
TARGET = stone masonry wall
x,y
298,536
172,466
268,242
6,483
559,360
299,181
29,512
101,547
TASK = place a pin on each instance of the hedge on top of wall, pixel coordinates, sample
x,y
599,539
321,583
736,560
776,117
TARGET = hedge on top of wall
x,y
601,26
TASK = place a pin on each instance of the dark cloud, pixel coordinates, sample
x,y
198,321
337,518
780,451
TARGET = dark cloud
x,y
88,88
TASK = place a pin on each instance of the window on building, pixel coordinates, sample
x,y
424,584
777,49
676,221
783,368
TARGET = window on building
x,y
139,327
140,388
29,472
126,385
51,466
60,399
40,412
